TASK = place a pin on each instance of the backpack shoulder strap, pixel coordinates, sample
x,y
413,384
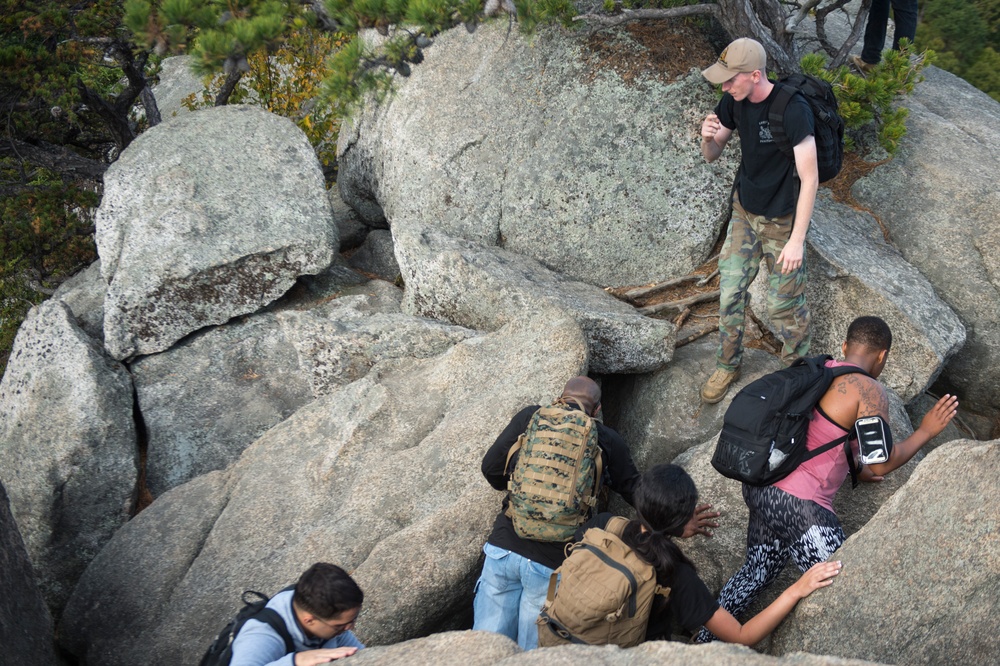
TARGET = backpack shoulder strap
x,y
776,118
270,617
616,525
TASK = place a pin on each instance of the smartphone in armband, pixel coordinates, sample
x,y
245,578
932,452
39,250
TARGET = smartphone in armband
x,y
873,444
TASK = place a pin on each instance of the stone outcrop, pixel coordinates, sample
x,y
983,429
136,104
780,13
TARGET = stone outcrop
x,y
261,201
921,581
939,201
461,648
485,287
205,400
660,414
525,144
84,294
25,623
376,255
68,454
854,272
366,476
176,82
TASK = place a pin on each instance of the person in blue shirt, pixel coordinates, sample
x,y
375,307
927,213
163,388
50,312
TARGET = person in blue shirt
x,y
318,613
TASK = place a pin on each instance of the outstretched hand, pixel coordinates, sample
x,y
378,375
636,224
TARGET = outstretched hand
x,y
941,414
322,656
819,575
701,521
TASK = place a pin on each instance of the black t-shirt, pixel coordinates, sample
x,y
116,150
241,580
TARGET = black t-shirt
x,y
690,604
620,474
767,185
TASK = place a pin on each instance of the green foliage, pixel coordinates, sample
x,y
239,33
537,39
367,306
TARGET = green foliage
x,y
42,241
984,73
54,64
966,36
869,99
286,80
218,35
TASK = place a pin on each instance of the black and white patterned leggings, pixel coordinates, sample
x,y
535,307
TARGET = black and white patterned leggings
x,y
781,526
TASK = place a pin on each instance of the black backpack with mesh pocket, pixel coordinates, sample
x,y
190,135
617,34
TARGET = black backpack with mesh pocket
x,y
764,430
220,652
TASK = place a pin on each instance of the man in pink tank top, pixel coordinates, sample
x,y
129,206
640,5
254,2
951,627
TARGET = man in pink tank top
x,y
794,517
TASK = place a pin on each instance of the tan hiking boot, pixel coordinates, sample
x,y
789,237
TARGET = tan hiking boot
x,y
718,384
863,67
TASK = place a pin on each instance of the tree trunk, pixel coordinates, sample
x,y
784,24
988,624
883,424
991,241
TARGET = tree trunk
x,y
763,20
234,76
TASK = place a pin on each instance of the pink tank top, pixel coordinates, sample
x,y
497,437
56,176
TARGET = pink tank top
x,y
819,479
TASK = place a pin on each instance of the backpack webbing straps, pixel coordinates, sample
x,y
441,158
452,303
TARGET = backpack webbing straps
x,y
620,568
826,447
776,118
270,617
559,630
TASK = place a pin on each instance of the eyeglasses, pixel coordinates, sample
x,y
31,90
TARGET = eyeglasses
x,y
340,627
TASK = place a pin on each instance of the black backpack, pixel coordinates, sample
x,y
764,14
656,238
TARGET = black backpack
x,y
220,652
763,436
829,126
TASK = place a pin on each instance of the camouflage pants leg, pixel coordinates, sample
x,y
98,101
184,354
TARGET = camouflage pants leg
x,y
749,240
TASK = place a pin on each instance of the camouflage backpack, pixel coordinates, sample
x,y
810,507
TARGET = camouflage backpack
x,y
555,482
601,595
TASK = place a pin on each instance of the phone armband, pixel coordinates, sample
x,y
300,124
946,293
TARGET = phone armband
x,y
874,439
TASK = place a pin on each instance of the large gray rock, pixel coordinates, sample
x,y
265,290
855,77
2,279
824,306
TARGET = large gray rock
x,y
721,556
177,82
155,549
25,623
259,199
204,401
380,476
661,414
68,454
481,648
854,272
523,143
485,287
939,200
657,653
921,582
376,255
84,294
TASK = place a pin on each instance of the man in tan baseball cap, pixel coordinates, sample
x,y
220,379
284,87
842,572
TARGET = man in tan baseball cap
x,y
743,56
773,201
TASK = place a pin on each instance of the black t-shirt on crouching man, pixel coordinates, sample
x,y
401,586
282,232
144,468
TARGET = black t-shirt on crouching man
x,y
689,606
620,474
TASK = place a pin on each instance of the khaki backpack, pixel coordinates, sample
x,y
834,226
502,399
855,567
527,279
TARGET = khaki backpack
x,y
602,594
555,482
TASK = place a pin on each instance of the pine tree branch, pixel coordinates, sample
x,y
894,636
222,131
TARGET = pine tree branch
x,y
629,15
58,159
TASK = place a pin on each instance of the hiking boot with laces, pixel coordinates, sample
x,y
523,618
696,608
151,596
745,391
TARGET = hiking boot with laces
x,y
718,384
863,67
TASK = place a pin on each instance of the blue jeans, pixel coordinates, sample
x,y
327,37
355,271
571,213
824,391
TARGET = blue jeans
x,y
509,594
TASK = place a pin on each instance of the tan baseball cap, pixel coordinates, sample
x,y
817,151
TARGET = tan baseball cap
x,y
743,55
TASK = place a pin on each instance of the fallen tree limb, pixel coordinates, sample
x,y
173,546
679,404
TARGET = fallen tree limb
x,y
629,15
680,304
643,292
691,337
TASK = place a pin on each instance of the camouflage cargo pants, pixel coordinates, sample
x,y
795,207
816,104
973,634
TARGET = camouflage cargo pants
x,y
750,239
